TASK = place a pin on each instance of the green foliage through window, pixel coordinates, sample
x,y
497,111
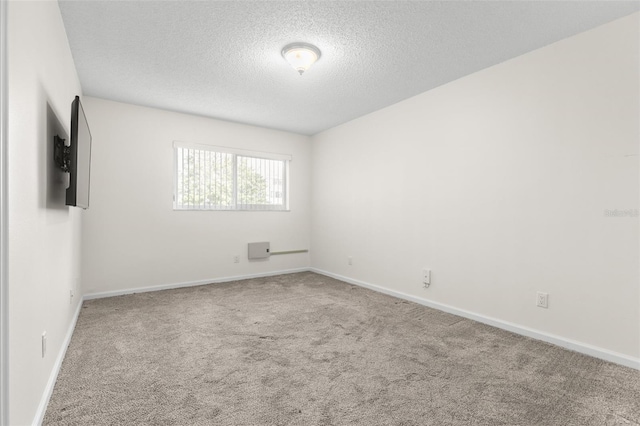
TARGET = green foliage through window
x,y
211,180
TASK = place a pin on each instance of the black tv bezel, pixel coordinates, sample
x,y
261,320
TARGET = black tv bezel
x,y
72,189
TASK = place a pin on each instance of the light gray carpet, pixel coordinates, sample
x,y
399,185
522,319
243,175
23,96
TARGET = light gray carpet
x,y
304,349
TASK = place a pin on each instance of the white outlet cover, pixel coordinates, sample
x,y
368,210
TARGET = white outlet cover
x,y
542,300
426,276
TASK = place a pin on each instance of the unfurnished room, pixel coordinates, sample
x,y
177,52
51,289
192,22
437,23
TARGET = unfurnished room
x,y
319,213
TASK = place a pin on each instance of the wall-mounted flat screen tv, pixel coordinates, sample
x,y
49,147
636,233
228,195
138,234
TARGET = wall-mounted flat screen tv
x,y
79,158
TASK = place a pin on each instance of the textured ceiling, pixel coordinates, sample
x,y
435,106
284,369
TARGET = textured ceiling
x,y
222,59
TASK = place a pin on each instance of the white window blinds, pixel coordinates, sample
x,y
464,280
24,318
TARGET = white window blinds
x,y
218,178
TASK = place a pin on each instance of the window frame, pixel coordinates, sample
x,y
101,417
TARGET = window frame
x,y
236,153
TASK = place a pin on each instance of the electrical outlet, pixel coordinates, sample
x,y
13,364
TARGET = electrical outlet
x,y
349,260
44,344
542,300
426,277
236,258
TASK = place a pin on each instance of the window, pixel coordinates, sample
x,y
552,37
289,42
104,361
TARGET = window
x,y
217,178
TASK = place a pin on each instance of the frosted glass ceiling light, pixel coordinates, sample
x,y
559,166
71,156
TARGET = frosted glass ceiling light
x,y
301,55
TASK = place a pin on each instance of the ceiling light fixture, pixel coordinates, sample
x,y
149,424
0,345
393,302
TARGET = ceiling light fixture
x,y
301,55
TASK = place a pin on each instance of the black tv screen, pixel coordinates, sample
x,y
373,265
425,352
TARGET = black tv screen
x,y
79,158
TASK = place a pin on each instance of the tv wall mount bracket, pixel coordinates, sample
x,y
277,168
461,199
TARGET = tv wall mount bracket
x,y
61,154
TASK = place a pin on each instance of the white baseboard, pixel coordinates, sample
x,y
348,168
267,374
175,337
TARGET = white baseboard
x,y
189,284
48,390
573,345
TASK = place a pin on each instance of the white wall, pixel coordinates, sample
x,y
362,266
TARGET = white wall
x,y
44,234
133,238
498,182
